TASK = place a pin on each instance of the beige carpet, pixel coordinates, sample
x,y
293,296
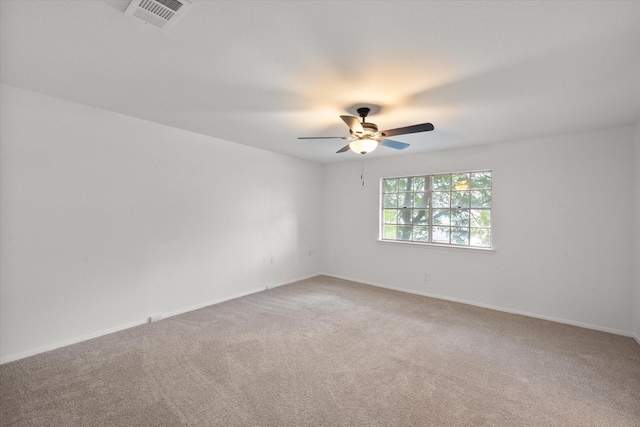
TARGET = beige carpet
x,y
326,352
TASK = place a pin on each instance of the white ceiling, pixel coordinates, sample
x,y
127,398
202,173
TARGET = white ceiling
x,y
263,73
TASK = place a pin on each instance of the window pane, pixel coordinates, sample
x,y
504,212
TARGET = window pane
x,y
440,234
481,180
441,216
390,185
460,199
419,183
442,182
481,199
460,181
481,237
421,216
403,184
404,216
421,234
405,200
459,236
420,200
480,218
441,199
390,216
460,217
389,232
390,200
404,232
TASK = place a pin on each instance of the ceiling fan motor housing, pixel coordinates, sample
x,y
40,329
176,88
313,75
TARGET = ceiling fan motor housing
x,y
369,128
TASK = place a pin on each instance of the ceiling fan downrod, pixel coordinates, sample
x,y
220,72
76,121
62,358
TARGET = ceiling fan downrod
x,y
370,129
363,112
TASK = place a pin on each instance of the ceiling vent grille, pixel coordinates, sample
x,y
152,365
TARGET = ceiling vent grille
x,y
161,14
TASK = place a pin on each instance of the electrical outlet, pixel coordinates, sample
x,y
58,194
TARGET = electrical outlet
x,y
427,277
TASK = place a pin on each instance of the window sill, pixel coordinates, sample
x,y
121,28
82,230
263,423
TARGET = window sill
x,y
490,251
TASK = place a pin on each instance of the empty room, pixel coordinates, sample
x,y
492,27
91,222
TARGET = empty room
x,y
319,213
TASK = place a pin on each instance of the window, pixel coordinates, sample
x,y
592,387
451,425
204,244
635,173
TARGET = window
x,y
448,209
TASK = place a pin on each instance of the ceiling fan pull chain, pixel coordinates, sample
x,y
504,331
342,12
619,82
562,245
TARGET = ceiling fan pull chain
x,y
362,171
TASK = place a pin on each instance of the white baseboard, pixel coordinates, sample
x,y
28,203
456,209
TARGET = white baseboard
x,y
288,282
75,340
240,295
70,341
491,307
209,303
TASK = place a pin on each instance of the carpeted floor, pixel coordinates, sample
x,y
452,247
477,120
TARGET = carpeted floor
x,y
326,352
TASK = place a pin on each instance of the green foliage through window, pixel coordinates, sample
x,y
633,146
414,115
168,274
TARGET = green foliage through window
x,y
452,209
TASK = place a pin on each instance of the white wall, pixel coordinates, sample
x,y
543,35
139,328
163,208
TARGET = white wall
x,y
562,221
636,252
107,219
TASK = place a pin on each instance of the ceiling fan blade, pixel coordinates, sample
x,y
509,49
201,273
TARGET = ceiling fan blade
x,y
393,144
353,123
322,137
424,127
343,149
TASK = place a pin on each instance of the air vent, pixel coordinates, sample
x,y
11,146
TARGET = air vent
x,y
161,14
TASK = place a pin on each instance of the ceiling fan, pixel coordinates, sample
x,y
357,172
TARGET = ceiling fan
x,y
365,137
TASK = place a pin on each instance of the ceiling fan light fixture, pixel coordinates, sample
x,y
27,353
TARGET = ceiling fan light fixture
x,y
363,146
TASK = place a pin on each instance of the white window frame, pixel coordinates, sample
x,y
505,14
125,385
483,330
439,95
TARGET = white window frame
x,y
427,238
